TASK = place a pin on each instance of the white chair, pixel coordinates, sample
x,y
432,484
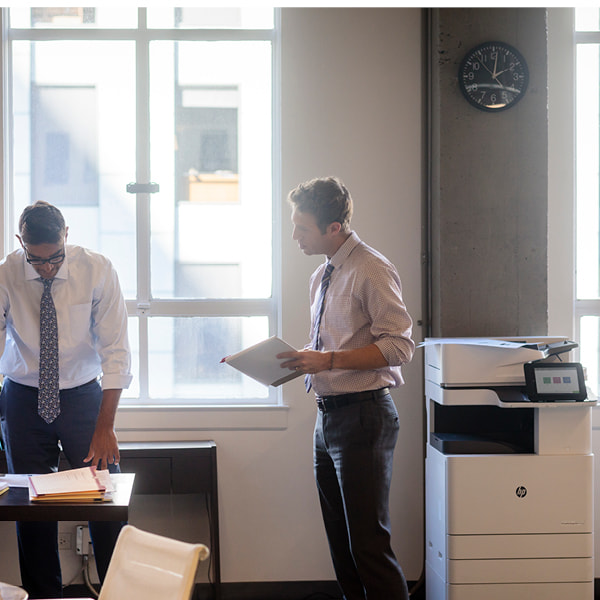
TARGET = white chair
x,y
12,592
147,566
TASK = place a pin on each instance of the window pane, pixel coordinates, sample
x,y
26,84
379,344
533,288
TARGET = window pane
x,y
134,342
587,171
587,19
226,17
210,119
74,141
186,352
589,350
73,17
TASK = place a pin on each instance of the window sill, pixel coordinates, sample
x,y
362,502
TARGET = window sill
x,y
132,419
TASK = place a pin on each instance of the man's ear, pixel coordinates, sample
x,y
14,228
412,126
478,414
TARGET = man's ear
x,y
20,240
334,228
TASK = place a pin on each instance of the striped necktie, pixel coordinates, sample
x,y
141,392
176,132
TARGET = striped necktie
x,y
318,314
48,393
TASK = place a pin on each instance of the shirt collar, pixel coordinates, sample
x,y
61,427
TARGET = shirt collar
x,y
344,251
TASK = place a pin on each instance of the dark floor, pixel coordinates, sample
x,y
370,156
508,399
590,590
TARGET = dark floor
x,y
298,590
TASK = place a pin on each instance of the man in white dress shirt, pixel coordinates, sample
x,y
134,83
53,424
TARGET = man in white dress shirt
x,y
93,368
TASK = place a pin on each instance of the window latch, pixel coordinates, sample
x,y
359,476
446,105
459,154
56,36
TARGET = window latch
x,y
142,188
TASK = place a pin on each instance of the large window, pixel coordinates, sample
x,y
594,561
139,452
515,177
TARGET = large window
x,y
152,130
587,304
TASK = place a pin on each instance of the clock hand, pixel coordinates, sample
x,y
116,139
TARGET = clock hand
x,y
485,66
494,74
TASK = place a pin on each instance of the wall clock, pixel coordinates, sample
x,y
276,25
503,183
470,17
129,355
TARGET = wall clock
x,y
493,76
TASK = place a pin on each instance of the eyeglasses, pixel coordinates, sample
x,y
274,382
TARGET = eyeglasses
x,y
53,260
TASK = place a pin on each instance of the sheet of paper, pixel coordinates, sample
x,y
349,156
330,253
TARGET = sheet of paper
x,y
474,341
105,480
21,481
73,480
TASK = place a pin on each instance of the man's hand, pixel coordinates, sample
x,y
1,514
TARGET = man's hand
x,y
313,361
104,447
306,361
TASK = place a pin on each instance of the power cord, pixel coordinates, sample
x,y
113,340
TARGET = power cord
x,y
87,577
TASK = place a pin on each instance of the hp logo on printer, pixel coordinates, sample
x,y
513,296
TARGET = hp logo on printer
x,y
521,491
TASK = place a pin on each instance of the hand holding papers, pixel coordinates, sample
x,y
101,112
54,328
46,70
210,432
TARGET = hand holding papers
x,y
76,485
261,363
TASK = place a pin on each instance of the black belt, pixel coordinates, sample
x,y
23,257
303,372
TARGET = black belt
x,y
30,387
326,403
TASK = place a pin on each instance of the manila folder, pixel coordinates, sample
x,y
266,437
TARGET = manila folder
x,y
261,363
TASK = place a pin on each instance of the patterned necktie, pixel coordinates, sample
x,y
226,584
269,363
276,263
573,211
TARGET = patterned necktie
x,y
48,395
318,314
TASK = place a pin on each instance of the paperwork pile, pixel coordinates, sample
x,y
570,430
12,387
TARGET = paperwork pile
x,y
86,484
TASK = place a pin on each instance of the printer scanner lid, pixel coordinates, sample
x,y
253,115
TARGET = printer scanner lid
x,y
483,362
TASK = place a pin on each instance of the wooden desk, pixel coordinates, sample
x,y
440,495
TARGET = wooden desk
x,y
16,506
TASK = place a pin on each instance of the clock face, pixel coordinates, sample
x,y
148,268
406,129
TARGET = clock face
x,y
493,76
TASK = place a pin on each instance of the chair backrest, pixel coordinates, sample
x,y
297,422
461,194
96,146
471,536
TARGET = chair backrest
x,y
147,566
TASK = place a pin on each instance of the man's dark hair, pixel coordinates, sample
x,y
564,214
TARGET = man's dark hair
x,y
326,198
41,223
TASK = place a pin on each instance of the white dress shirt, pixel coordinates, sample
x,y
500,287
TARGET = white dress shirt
x,y
91,315
363,306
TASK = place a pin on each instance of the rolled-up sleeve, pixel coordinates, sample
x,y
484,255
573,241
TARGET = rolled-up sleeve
x,y
109,326
391,325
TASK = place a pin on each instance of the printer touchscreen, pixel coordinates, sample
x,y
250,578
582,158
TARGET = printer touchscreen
x,y
548,382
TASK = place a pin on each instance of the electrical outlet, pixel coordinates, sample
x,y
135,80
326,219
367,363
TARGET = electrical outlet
x,y
65,540
84,543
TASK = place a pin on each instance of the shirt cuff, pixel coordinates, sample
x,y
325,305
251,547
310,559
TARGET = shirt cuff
x,y
115,381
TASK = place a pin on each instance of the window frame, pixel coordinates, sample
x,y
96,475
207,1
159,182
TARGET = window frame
x,y
583,307
171,413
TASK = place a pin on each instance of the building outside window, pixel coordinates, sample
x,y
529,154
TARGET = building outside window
x,y
152,130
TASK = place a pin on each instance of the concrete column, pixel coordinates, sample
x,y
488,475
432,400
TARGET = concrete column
x,y
489,183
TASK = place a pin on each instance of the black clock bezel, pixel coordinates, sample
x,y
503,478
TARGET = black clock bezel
x,y
503,46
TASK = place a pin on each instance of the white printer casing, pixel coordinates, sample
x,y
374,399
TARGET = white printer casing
x,y
509,482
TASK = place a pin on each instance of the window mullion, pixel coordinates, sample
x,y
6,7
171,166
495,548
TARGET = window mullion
x,y
143,219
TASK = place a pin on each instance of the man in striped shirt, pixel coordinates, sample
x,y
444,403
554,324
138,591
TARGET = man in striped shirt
x,y
360,336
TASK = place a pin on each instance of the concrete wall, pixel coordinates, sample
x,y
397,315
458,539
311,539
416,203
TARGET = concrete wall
x,y
489,194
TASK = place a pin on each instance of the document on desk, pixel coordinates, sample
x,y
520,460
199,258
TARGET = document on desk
x,y
261,363
82,485
15,480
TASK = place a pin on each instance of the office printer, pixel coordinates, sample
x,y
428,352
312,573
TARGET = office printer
x,y
509,470
501,372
